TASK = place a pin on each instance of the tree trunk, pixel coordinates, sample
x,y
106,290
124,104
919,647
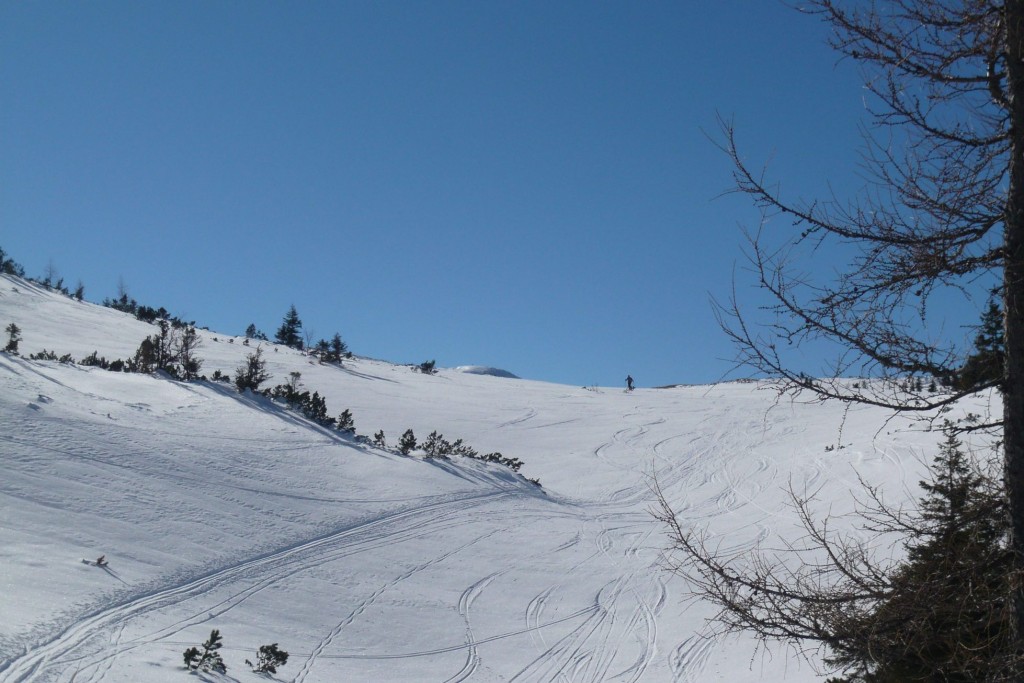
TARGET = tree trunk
x,y
1013,395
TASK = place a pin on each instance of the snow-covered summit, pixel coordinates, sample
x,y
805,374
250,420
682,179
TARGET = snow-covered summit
x,y
484,370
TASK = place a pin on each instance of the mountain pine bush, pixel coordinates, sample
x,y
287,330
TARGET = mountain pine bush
x,y
268,659
208,659
253,372
407,443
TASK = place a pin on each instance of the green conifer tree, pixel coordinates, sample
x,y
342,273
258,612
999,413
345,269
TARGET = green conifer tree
x,y
290,332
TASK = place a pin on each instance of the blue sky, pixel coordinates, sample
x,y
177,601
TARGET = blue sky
x,y
528,185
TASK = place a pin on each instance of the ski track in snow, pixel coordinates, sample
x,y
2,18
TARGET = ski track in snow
x,y
75,645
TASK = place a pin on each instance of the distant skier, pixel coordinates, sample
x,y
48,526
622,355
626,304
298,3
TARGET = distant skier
x,y
101,561
629,383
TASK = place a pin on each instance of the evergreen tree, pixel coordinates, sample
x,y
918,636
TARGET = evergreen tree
x,y
163,347
986,364
316,408
346,423
253,372
252,333
942,618
268,659
436,446
9,266
13,336
338,348
209,658
145,360
185,353
290,332
407,443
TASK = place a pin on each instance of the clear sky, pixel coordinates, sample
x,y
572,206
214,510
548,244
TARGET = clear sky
x,y
526,185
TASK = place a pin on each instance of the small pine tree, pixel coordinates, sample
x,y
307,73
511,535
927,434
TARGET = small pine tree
x,y
191,656
378,439
9,266
290,332
185,353
316,408
79,291
346,423
407,443
323,351
436,446
338,348
163,347
268,659
252,333
209,658
13,337
253,373
145,360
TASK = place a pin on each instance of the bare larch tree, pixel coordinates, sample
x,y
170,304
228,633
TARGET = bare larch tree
x,y
942,214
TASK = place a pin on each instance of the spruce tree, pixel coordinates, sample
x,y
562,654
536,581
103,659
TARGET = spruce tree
x,y
986,363
339,349
290,332
943,615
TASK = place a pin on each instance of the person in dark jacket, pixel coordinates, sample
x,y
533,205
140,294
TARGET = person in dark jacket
x,y
629,383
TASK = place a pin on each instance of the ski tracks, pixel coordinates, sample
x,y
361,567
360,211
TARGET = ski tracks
x,y
594,650
464,603
688,660
77,646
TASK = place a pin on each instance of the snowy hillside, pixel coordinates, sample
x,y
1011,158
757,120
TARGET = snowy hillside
x,y
222,511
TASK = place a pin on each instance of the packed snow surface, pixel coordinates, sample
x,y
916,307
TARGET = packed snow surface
x,y
217,510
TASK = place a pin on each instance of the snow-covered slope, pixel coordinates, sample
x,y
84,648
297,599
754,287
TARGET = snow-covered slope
x,y
218,510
